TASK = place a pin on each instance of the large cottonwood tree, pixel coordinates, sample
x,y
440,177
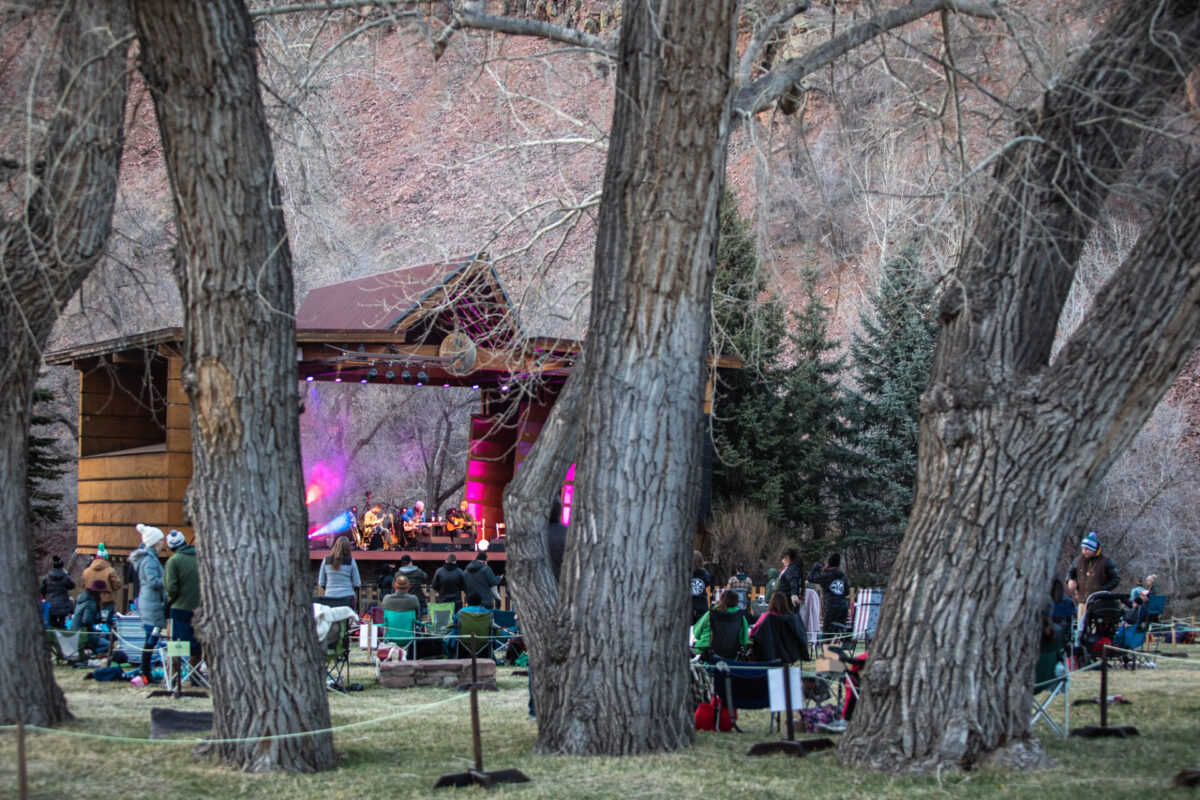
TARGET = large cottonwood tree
x,y
50,240
1011,439
609,640
630,416
234,271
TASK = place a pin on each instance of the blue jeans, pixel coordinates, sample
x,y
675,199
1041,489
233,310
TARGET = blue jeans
x,y
148,648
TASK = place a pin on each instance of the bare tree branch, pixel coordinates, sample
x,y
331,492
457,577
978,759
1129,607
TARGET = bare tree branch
x,y
759,40
760,94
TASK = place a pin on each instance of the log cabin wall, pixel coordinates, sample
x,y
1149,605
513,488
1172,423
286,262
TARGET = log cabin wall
x,y
135,451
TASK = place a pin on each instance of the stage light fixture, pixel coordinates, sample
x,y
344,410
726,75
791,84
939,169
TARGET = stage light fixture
x,y
475,386
445,386
338,379
372,374
309,379
422,378
504,388
363,381
390,375
406,376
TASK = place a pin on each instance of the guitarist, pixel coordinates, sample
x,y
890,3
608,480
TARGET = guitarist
x,y
461,519
411,519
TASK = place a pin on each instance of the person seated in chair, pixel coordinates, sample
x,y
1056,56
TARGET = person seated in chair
x,y
779,634
399,599
727,606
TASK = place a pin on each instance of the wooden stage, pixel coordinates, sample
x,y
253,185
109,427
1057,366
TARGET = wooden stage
x,y
497,556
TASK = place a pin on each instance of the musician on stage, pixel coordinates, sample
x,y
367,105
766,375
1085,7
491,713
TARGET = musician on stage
x,y
413,515
461,519
373,518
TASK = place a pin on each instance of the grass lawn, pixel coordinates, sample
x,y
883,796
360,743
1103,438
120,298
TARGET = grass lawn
x,y
403,757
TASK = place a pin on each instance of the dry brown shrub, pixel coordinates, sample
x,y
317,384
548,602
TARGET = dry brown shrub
x,y
741,534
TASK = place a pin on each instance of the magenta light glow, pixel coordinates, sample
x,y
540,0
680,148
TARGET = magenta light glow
x,y
322,480
477,469
475,492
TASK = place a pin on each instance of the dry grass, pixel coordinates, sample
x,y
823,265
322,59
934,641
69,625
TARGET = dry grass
x,y
403,758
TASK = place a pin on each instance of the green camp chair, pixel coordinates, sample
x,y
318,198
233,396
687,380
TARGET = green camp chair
x,y
441,618
337,657
400,628
478,623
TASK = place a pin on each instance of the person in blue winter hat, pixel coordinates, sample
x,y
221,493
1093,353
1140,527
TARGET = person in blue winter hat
x,y
1092,571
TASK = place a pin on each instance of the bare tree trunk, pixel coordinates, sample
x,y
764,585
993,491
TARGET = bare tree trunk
x,y
1009,441
45,254
235,275
620,608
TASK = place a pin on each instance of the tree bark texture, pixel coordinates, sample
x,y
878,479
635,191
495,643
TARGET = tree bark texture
x,y
609,640
1011,441
235,276
45,253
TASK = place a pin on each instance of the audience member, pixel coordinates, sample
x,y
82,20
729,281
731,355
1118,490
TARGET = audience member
x,y
400,599
151,597
339,577
448,582
56,587
182,583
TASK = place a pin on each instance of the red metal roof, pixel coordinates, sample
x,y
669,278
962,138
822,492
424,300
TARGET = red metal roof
x,y
376,302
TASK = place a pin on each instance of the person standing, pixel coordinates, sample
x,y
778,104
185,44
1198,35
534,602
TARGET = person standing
x,y
103,581
416,581
1092,572
384,582
791,579
479,578
56,585
772,583
448,582
151,595
740,582
835,591
702,580
182,584
339,576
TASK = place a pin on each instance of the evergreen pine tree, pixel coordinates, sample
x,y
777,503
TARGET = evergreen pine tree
x,y
812,451
891,361
45,464
748,323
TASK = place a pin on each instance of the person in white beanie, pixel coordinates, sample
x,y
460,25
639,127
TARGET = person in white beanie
x,y
151,600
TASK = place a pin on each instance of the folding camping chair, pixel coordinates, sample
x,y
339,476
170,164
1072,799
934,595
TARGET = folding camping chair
x,y
478,623
743,686
866,614
1048,679
333,631
400,628
441,618
130,637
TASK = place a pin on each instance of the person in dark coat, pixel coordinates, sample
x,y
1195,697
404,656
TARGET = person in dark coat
x,y
416,581
448,582
779,634
835,590
478,577
791,580
56,585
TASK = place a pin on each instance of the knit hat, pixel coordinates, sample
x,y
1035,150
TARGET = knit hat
x,y
150,535
1090,542
176,540
101,552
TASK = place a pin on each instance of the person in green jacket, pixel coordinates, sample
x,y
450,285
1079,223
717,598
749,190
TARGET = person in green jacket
x,y
702,630
182,584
